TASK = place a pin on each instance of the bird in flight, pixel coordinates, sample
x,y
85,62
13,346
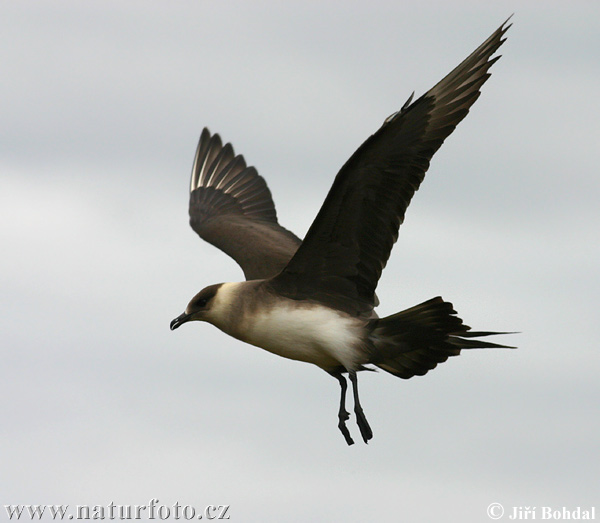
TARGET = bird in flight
x,y
313,300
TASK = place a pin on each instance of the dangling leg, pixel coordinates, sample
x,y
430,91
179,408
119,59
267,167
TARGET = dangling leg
x,y
343,414
361,420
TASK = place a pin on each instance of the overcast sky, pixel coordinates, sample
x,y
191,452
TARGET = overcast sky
x,y
101,106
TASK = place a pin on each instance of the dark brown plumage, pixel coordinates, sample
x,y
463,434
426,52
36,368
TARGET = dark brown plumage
x,y
358,223
231,207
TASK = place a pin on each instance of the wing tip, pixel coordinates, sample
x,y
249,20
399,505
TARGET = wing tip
x,y
218,170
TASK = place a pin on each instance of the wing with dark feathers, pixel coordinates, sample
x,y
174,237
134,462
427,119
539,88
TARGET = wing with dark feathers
x,y
231,207
347,246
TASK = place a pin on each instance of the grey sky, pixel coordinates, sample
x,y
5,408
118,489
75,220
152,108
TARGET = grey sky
x,y
102,104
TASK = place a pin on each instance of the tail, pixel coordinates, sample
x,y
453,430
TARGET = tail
x,y
412,342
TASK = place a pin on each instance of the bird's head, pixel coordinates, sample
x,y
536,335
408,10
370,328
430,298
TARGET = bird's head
x,y
201,307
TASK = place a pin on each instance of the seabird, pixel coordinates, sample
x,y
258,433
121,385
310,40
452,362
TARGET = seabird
x,y
313,300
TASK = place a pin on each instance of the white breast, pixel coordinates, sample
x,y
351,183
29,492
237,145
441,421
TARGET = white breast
x,y
314,334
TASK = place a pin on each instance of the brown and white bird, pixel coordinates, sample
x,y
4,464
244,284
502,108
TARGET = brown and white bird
x,y
313,300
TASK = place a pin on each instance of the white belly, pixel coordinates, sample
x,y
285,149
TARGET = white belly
x,y
313,334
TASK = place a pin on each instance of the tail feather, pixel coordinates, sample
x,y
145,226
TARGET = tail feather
x,y
413,342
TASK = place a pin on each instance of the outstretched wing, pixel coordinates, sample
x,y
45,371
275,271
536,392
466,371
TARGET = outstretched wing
x,y
346,248
231,207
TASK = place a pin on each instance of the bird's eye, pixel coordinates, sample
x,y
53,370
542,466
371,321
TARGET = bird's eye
x,y
201,303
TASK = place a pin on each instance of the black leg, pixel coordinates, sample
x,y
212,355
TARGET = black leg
x,y
343,414
361,420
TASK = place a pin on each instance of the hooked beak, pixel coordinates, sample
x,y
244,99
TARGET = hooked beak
x,y
180,320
